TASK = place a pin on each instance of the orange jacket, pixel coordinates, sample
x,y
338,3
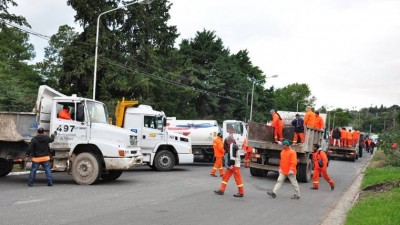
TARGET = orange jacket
x,y
245,147
309,119
218,146
343,133
356,134
319,123
319,154
64,114
349,135
275,120
288,161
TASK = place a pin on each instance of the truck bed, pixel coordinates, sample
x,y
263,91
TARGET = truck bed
x,y
17,126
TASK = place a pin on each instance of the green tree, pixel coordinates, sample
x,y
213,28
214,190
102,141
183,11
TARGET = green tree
x,y
287,98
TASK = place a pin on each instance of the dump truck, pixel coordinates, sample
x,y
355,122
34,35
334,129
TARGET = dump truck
x,y
266,155
86,146
161,149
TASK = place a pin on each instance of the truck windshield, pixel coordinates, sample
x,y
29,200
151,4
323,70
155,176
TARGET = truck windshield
x,y
97,112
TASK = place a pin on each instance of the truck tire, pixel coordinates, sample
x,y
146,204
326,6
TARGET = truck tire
x,y
111,175
151,166
360,152
6,167
304,172
164,160
86,168
253,172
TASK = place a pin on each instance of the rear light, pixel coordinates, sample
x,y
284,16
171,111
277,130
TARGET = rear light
x,y
352,153
330,152
121,153
256,156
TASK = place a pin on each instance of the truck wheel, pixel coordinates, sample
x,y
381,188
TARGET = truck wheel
x,y
353,159
151,166
111,175
305,172
86,168
360,152
253,172
6,167
164,160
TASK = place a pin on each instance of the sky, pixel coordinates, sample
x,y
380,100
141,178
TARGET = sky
x,y
346,51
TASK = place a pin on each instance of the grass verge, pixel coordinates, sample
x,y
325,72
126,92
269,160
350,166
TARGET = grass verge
x,y
379,200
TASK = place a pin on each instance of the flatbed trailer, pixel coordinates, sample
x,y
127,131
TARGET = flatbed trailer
x,y
350,153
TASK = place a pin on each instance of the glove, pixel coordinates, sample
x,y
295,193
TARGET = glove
x,y
291,172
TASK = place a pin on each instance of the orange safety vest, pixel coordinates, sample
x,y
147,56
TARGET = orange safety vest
x,y
309,119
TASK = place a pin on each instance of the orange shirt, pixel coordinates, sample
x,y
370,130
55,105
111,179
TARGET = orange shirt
x,y
288,161
245,147
309,119
343,134
356,134
321,155
275,120
319,123
349,135
64,114
218,147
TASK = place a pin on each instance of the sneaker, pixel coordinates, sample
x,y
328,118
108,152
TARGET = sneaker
x,y
313,188
50,184
295,197
238,195
272,194
218,192
213,175
332,188
30,185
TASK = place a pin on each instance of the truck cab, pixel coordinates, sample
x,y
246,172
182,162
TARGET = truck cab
x,y
162,149
238,130
86,145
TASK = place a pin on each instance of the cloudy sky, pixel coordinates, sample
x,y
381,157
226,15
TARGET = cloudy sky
x,y
347,51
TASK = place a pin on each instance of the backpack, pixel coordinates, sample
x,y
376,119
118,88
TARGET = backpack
x,y
320,162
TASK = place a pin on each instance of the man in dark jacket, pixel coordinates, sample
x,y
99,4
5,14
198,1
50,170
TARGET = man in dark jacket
x,y
40,152
298,124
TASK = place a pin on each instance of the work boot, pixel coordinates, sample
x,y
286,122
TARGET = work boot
x,y
213,175
50,184
238,195
272,194
295,197
218,192
332,188
313,188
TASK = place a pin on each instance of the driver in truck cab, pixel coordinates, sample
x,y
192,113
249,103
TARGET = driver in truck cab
x,y
64,113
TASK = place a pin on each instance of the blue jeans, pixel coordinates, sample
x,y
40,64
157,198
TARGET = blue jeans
x,y
46,167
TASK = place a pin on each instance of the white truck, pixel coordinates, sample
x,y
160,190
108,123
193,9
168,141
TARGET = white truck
x,y
239,131
162,149
201,132
86,146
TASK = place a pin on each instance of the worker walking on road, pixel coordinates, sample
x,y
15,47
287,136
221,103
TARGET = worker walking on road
x,y
248,150
218,154
231,147
298,124
287,169
320,167
40,152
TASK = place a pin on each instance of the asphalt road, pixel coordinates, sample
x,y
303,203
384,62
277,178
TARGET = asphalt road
x,y
179,197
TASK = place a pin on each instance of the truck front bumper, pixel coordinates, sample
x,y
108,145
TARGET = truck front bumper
x,y
123,163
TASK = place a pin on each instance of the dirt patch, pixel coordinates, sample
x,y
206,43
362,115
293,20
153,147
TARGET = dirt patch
x,y
379,188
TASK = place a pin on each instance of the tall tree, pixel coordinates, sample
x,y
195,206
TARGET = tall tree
x,y
293,95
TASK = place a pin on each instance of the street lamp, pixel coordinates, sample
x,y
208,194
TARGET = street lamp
x,y
97,40
297,107
252,93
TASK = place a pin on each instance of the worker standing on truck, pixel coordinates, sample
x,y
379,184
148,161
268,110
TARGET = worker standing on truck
x,y
298,124
319,122
320,167
248,151
233,167
309,118
336,134
64,113
343,137
349,138
40,152
277,124
287,169
356,136
218,154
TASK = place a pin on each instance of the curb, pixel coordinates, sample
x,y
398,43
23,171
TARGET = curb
x,y
337,215
22,173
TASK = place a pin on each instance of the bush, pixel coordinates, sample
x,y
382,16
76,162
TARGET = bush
x,y
386,140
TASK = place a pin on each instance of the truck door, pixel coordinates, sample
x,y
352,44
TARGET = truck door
x,y
69,131
238,129
152,133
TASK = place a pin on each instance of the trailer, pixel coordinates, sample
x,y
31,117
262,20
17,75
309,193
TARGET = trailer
x,y
348,153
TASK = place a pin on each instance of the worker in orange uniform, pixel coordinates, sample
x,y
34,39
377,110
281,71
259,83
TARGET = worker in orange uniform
x,y
287,169
309,118
218,154
248,150
343,137
64,113
319,122
349,138
277,124
356,136
298,124
320,167
233,167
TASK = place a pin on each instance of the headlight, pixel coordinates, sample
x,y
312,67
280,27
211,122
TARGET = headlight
x,y
133,140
